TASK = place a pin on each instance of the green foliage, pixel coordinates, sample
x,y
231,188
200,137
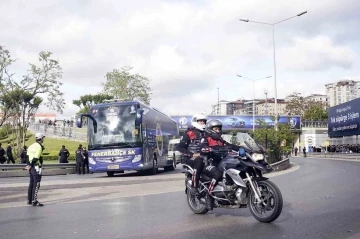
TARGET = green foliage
x,y
5,82
86,101
19,101
276,142
307,109
315,112
56,158
52,146
123,85
43,79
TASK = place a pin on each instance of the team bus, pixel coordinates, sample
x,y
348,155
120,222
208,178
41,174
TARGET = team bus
x,y
128,135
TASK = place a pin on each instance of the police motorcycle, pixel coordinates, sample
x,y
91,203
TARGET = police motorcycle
x,y
243,184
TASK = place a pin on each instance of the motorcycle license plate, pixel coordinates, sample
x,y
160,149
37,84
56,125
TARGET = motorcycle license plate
x,y
113,167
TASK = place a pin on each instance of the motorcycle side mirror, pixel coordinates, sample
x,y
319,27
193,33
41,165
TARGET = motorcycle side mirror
x,y
242,152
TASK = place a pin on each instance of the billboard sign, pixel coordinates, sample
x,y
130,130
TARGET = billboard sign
x,y
240,122
343,119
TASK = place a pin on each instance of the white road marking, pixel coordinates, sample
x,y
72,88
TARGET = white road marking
x,y
71,195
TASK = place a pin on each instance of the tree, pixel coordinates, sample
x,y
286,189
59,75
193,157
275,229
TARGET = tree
x,y
22,106
315,112
275,142
124,85
308,109
20,101
86,101
44,80
5,81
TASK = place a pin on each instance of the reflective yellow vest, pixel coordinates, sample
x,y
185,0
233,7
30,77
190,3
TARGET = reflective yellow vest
x,y
35,151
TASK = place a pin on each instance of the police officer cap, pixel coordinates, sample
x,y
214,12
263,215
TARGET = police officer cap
x,y
39,136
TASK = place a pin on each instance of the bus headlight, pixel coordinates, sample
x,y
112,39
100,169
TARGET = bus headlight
x,y
92,161
137,158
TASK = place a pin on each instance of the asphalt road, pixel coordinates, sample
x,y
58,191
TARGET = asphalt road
x,y
320,201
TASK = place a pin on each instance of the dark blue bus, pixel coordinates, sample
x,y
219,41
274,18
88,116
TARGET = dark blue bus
x,y
128,135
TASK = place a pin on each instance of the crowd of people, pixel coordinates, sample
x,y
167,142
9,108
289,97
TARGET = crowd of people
x,y
81,158
344,148
340,148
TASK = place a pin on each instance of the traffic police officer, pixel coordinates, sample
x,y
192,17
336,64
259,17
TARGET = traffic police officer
x,y
34,166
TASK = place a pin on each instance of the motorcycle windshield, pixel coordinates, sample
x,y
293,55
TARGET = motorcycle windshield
x,y
245,140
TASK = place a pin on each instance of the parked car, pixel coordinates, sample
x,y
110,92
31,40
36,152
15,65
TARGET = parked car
x,y
172,152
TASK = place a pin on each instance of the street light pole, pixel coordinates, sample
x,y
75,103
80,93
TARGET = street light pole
x,y
273,33
218,106
253,106
253,96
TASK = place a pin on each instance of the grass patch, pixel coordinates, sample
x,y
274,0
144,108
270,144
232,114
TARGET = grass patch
x,y
52,147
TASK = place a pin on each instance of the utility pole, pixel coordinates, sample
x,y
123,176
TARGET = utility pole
x,y
266,103
218,106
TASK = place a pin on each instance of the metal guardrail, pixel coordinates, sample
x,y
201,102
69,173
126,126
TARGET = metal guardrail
x,y
45,166
314,124
59,131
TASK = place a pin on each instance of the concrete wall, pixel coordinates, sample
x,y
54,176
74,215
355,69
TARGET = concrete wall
x,y
312,137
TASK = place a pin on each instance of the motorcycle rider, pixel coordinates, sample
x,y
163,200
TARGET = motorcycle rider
x,y
189,146
213,140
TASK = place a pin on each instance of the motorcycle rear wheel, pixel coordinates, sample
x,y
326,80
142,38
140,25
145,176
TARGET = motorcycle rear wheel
x,y
195,205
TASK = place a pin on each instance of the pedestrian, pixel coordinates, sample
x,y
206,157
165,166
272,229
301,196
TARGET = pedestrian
x,y
86,159
34,166
64,155
9,154
24,157
79,156
304,151
2,155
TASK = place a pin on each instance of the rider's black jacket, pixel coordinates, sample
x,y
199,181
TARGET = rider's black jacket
x,y
190,142
216,143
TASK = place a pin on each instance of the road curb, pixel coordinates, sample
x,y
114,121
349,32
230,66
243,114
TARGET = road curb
x,y
338,159
280,166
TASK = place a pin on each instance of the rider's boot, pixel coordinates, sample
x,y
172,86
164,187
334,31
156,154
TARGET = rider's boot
x,y
194,191
209,200
194,187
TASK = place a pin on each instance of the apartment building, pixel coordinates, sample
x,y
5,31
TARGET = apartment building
x,y
342,91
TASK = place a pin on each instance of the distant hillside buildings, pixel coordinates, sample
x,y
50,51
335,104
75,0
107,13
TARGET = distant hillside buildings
x,y
342,91
336,93
262,106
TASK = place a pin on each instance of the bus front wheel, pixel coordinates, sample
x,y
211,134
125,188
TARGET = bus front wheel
x,y
154,169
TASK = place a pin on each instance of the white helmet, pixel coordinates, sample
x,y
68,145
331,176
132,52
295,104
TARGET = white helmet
x,y
196,118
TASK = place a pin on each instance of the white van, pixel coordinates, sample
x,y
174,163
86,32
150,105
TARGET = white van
x,y
172,152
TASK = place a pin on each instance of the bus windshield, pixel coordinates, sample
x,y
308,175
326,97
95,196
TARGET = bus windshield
x,y
116,126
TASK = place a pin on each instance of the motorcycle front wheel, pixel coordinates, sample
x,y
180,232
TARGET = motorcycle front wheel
x,y
272,202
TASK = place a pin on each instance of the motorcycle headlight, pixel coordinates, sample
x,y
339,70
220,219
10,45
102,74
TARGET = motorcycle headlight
x,y
257,157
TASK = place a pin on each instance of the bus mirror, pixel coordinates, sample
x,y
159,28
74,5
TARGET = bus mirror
x,y
139,113
90,117
79,121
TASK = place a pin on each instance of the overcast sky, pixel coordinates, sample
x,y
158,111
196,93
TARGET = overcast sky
x,y
187,48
